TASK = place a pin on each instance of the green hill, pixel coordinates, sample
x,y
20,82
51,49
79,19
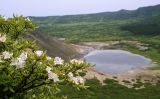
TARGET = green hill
x,y
104,16
123,24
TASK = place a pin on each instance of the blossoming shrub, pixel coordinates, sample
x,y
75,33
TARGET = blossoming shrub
x,y
24,67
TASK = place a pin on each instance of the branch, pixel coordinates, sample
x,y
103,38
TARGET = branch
x,y
37,78
34,86
25,78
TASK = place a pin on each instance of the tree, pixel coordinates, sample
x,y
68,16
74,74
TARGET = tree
x,y
24,67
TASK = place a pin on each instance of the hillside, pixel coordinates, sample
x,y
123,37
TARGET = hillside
x,y
140,25
104,16
53,46
102,26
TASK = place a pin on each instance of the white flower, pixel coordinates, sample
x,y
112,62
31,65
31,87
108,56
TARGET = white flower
x,y
48,58
75,61
80,79
58,61
53,76
77,80
48,69
23,56
2,38
39,53
18,62
70,74
7,55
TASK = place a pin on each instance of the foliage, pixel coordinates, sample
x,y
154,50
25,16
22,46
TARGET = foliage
x,y
24,67
79,28
104,26
148,26
111,90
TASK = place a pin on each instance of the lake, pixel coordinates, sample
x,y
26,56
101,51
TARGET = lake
x,y
116,61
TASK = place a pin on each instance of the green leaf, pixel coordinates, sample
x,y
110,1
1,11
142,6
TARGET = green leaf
x,y
11,89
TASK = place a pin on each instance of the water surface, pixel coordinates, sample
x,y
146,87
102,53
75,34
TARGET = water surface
x,y
116,61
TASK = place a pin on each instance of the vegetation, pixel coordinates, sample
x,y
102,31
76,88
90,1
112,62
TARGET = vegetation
x,y
24,67
139,25
104,26
26,72
111,90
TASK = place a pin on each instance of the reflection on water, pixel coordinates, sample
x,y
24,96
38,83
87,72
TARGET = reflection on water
x,y
116,61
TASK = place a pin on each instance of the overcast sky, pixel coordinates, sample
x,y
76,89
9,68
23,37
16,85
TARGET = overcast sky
x,y
68,7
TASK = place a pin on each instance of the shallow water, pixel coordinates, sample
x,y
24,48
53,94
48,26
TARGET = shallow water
x,y
116,61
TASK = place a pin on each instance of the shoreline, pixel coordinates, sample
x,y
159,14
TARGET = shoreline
x,y
144,73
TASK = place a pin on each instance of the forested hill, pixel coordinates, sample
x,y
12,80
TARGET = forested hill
x,y
120,25
142,12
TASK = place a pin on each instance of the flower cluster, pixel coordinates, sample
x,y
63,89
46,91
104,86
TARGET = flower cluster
x,y
52,75
77,79
38,53
19,62
7,55
58,61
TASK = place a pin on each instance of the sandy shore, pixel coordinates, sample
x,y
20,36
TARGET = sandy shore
x,y
146,75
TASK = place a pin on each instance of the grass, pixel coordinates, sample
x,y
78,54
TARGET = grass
x,y
112,90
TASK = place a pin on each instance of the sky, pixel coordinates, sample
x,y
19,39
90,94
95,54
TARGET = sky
x,y
68,7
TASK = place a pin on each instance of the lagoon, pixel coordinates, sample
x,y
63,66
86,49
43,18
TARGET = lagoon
x,y
116,61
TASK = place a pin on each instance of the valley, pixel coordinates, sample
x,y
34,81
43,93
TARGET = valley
x,y
80,49
135,31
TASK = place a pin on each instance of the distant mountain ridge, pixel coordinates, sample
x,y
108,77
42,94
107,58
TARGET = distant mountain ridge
x,y
142,12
